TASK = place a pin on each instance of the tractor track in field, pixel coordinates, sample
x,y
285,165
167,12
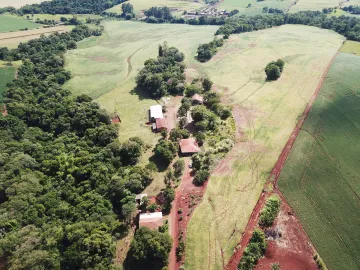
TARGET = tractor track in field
x,y
274,176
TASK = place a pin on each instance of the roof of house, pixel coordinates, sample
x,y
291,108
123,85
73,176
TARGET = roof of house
x,y
151,220
161,123
156,112
198,98
189,146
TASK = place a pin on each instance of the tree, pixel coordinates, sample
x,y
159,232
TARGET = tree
x,y
272,72
177,134
201,176
207,84
179,167
165,150
127,8
169,196
149,249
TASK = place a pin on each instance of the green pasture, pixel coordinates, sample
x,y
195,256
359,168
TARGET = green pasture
x,y
351,47
7,74
321,178
266,114
141,5
256,6
302,5
56,17
9,23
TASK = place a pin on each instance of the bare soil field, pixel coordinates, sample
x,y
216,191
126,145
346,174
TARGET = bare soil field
x,y
267,113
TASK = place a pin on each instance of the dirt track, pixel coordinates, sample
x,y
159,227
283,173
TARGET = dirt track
x,y
272,180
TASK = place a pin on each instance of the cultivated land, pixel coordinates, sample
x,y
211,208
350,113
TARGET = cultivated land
x,y
351,47
256,6
56,17
314,5
105,68
13,39
321,177
266,114
7,74
141,5
9,23
18,3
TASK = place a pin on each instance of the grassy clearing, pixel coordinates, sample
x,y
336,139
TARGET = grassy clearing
x,y
351,47
140,5
267,113
105,68
256,6
314,5
9,23
7,74
18,3
321,176
13,39
56,17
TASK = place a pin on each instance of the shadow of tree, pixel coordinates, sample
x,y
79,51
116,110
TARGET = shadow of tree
x,y
161,165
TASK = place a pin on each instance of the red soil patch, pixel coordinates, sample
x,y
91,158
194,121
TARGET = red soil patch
x,y
115,119
292,227
4,111
252,45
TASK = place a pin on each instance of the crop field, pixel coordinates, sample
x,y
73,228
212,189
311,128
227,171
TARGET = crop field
x,y
56,17
13,39
18,3
140,5
266,114
314,5
321,179
9,23
351,47
256,6
7,74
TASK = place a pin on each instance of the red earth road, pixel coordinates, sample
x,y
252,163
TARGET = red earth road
x,y
274,176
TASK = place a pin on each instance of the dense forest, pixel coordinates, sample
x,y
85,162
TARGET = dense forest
x,y
67,184
70,7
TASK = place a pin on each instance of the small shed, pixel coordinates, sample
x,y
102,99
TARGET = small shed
x,y
139,197
189,146
197,99
161,124
151,220
156,112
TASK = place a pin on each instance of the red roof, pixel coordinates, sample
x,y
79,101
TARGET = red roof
x,y
189,146
161,123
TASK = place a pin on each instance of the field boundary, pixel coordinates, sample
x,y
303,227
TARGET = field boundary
x,y
274,176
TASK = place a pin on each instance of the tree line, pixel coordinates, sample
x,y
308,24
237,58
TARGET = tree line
x,y
67,185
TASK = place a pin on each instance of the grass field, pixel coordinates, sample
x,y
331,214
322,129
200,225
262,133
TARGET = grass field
x,y
351,47
56,17
105,68
267,113
13,39
9,23
7,74
314,5
321,178
18,3
140,5
256,6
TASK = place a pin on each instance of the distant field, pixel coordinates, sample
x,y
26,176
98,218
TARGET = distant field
x,y
321,178
13,39
18,3
9,23
351,47
140,5
56,17
314,5
266,113
7,74
256,6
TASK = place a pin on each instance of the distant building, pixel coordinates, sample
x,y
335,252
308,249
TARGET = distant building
x,y
156,112
189,146
151,220
197,99
161,124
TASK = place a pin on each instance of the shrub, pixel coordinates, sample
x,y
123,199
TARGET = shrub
x,y
270,211
273,69
201,177
179,167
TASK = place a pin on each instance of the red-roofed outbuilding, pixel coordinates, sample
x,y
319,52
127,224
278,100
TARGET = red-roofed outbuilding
x,y
189,146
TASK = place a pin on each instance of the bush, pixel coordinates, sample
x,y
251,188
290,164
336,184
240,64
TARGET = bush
x,y
165,150
270,211
179,167
201,177
273,69
152,207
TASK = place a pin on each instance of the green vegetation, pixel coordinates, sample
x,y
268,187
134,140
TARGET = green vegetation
x,y
9,23
320,179
267,114
65,185
149,250
270,211
207,50
164,75
254,7
165,151
274,69
7,74
253,251
351,47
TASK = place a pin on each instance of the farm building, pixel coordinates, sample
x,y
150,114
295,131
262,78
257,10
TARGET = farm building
x,y
189,146
139,197
156,112
151,220
161,124
197,99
